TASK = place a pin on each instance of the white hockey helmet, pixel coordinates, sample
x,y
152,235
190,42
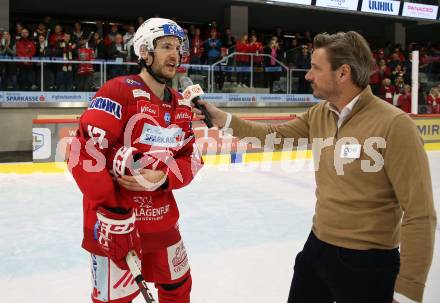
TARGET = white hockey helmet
x,y
155,28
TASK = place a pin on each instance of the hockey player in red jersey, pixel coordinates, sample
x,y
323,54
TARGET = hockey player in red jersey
x,y
134,147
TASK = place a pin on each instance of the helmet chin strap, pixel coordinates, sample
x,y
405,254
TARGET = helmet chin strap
x,y
155,76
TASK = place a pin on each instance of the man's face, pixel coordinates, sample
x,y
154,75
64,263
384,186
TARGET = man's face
x,y
166,57
24,33
321,76
118,39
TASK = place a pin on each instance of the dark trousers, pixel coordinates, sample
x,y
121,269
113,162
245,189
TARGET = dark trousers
x,y
326,273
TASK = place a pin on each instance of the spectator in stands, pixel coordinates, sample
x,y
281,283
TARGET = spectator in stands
x,y
398,51
212,27
42,47
18,28
394,61
407,67
398,71
242,61
433,101
128,42
44,52
279,34
307,38
423,60
48,23
26,50
111,36
56,37
384,70
99,28
228,42
66,50
387,91
191,31
304,63
271,71
293,51
97,44
118,52
375,79
8,70
40,30
77,32
399,84
404,100
256,48
213,53
85,71
196,48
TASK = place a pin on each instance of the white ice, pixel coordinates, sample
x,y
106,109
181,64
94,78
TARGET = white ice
x,y
242,227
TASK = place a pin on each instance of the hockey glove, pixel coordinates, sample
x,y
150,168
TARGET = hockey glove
x,y
116,234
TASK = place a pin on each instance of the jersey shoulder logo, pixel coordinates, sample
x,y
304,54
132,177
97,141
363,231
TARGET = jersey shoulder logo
x,y
132,82
107,105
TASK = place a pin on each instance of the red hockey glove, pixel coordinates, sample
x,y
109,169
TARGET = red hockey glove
x,y
117,235
122,160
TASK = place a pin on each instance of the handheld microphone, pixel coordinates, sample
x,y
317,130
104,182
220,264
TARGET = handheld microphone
x,y
192,93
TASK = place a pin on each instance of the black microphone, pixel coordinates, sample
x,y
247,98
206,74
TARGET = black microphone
x,y
189,89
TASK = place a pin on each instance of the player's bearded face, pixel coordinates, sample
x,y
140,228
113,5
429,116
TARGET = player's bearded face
x,y
166,57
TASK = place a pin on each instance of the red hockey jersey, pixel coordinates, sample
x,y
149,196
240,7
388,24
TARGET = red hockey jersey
x,y
125,112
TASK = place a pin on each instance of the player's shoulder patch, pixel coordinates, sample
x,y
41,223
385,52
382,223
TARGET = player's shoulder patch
x,y
130,82
106,105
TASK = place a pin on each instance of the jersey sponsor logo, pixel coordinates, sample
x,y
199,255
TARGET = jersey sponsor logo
x,y
167,118
149,213
177,260
143,201
107,105
140,93
183,115
166,105
146,107
162,137
132,82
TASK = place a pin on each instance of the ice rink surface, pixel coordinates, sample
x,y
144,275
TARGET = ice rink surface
x,y
242,227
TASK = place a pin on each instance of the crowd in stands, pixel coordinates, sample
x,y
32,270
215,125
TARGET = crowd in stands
x,y
208,44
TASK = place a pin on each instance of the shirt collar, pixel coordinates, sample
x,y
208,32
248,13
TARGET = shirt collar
x,y
347,109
